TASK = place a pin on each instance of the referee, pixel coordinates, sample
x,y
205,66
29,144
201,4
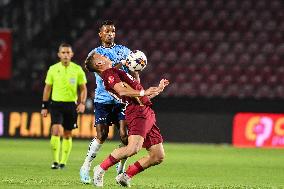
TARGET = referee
x,y
63,79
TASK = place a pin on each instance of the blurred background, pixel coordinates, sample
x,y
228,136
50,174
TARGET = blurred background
x,y
223,58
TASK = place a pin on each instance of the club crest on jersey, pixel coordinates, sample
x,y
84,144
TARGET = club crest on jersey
x,y
72,81
110,79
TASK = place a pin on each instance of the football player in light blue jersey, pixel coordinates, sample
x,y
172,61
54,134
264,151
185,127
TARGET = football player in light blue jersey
x,y
116,54
108,110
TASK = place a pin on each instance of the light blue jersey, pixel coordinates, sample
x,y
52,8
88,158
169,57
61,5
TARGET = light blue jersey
x,y
116,53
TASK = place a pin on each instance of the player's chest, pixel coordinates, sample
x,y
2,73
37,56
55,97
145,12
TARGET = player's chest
x,y
66,76
115,56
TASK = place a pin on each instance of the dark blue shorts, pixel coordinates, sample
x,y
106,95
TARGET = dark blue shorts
x,y
109,113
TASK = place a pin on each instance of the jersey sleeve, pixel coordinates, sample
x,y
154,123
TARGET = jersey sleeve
x,y
81,77
49,78
126,52
110,78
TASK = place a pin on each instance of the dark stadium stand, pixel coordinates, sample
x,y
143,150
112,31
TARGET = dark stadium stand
x,y
207,48
210,49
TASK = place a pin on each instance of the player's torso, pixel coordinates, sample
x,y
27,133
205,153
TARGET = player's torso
x,y
65,82
65,75
127,79
115,53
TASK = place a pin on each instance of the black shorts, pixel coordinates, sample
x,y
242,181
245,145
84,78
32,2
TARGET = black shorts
x,y
64,113
109,113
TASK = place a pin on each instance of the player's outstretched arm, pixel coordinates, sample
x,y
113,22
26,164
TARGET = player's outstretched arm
x,y
123,89
163,83
133,74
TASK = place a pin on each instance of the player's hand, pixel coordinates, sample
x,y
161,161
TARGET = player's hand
x,y
163,84
152,91
44,112
123,62
80,108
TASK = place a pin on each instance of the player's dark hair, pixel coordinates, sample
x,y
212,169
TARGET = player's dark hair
x,y
89,63
65,45
106,23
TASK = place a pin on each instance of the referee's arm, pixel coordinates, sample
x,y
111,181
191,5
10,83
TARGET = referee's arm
x,y
82,99
45,98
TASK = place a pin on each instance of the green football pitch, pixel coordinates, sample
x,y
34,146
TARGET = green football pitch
x,y
25,163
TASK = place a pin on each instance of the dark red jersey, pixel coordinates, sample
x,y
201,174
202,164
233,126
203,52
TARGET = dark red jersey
x,y
113,75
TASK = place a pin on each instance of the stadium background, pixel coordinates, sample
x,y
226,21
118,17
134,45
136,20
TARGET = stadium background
x,y
222,57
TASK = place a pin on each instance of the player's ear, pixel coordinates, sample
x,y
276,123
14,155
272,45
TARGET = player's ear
x,y
72,54
100,34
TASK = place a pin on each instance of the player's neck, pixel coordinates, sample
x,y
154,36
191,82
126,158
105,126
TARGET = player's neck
x,y
107,45
104,69
65,63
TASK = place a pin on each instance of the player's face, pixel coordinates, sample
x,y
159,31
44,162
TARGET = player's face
x,y
101,63
107,35
65,54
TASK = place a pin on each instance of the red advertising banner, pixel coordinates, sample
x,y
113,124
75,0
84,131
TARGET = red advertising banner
x,y
5,54
258,130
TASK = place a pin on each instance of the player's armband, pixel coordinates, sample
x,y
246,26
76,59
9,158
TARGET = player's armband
x,y
44,104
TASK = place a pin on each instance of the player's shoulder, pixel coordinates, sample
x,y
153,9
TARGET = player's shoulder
x,y
110,71
97,49
54,66
120,46
75,65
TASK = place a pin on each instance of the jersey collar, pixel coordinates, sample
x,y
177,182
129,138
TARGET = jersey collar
x,y
108,47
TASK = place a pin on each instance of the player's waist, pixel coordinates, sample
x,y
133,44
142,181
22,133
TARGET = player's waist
x,y
137,101
137,109
103,101
137,105
101,95
63,102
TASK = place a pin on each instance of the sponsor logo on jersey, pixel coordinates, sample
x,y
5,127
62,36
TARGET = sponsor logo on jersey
x,y
72,81
110,79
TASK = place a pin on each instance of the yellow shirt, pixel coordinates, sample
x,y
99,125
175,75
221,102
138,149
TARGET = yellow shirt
x,y
65,81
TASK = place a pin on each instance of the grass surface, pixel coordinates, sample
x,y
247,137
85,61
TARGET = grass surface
x,y
25,163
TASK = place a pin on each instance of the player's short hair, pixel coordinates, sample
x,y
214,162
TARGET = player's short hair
x,y
89,63
64,45
106,23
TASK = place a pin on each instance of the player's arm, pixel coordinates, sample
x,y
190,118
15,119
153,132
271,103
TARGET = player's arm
x,y
119,65
82,98
133,74
163,83
46,95
123,89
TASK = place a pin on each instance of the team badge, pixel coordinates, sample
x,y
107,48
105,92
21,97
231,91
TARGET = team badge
x,y
72,81
110,79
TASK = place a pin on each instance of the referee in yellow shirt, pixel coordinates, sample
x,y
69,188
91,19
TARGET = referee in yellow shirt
x,y
62,82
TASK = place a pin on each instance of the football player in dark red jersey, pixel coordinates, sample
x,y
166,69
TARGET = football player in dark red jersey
x,y
142,128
